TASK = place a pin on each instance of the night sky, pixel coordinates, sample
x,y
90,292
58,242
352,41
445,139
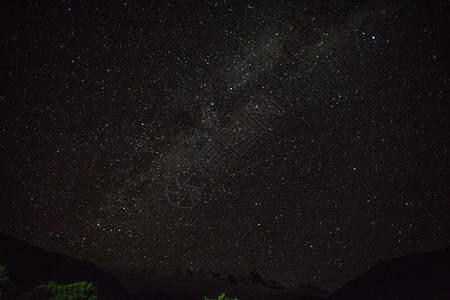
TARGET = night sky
x,y
301,139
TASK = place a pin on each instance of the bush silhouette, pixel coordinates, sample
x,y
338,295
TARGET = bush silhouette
x,y
221,297
4,281
73,291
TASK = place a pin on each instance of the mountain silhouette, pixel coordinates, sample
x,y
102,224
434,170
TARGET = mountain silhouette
x,y
29,266
177,283
414,276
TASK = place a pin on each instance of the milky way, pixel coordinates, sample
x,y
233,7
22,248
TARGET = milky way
x,y
310,137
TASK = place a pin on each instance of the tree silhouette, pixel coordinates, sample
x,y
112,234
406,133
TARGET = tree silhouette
x,y
4,282
221,297
73,291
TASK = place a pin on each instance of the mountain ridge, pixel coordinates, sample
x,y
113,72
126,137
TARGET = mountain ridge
x,y
412,276
29,265
249,285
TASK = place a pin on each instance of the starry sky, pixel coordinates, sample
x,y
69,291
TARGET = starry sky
x,y
306,140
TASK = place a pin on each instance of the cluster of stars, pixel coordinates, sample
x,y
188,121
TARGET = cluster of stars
x,y
104,105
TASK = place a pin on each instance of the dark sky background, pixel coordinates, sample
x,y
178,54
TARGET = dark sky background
x,y
105,106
